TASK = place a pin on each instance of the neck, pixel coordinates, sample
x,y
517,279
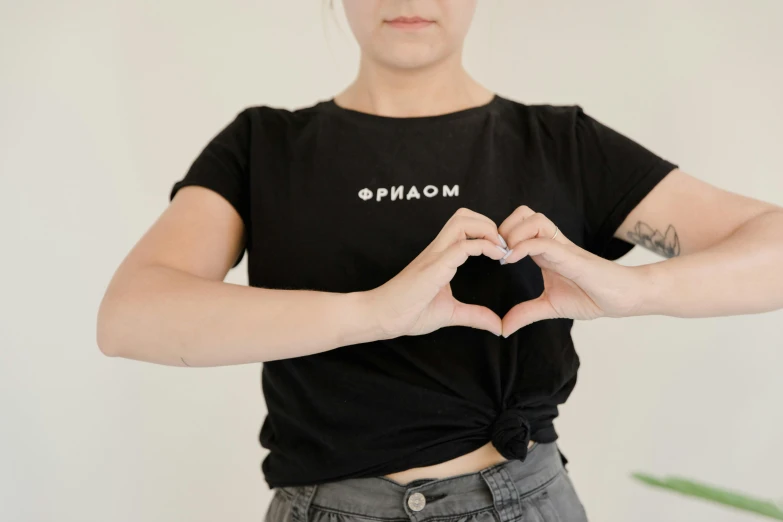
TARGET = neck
x,y
437,89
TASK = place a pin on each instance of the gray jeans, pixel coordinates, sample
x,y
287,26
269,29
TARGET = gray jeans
x,y
537,489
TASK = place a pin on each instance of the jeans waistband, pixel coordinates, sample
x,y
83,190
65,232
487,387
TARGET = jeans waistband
x,y
500,486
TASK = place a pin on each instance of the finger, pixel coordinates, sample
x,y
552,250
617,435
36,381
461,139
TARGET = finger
x,y
551,254
463,227
445,265
458,253
466,226
475,316
519,214
536,225
527,312
464,211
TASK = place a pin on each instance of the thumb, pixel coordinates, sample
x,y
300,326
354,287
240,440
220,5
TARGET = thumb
x,y
475,316
527,312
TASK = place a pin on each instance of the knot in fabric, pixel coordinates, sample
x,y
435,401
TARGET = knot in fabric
x,y
511,433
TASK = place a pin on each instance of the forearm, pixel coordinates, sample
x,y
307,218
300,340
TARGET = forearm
x,y
742,274
169,317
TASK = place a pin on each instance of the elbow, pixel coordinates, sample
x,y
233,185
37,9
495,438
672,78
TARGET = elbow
x,y
104,345
105,332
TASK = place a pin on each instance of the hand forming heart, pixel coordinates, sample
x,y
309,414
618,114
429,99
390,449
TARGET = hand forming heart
x,y
577,283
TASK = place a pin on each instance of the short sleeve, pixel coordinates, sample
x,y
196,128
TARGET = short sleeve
x,y
616,173
222,166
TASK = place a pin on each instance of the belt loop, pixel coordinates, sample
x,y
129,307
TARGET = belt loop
x,y
303,496
505,495
563,458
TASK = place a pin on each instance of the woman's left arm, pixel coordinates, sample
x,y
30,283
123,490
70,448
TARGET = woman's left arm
x,y
724,250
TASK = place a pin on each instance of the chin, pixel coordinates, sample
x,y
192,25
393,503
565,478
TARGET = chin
x,y
409,56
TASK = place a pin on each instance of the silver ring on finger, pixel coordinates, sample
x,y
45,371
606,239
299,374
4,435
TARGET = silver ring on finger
x,y
557,231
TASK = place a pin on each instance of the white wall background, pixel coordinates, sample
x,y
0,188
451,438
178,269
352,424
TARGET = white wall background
x,y
104,104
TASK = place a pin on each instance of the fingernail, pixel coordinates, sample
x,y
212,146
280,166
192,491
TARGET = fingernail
x,y
503,241
505,251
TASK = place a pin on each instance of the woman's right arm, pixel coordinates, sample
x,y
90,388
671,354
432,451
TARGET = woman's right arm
x,y
167,302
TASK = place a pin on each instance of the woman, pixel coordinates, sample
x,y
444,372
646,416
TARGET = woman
x,y
415,200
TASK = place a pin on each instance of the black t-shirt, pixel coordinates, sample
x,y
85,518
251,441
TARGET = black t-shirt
x,y
339,200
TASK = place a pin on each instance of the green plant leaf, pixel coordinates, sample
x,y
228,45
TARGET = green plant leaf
x,y
707,492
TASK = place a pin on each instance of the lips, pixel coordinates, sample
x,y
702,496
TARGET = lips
x,y
409,22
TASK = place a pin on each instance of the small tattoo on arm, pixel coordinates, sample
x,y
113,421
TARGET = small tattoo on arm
x,y
183,362
667,245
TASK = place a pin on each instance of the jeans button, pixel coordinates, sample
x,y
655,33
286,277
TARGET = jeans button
x,y
416,501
